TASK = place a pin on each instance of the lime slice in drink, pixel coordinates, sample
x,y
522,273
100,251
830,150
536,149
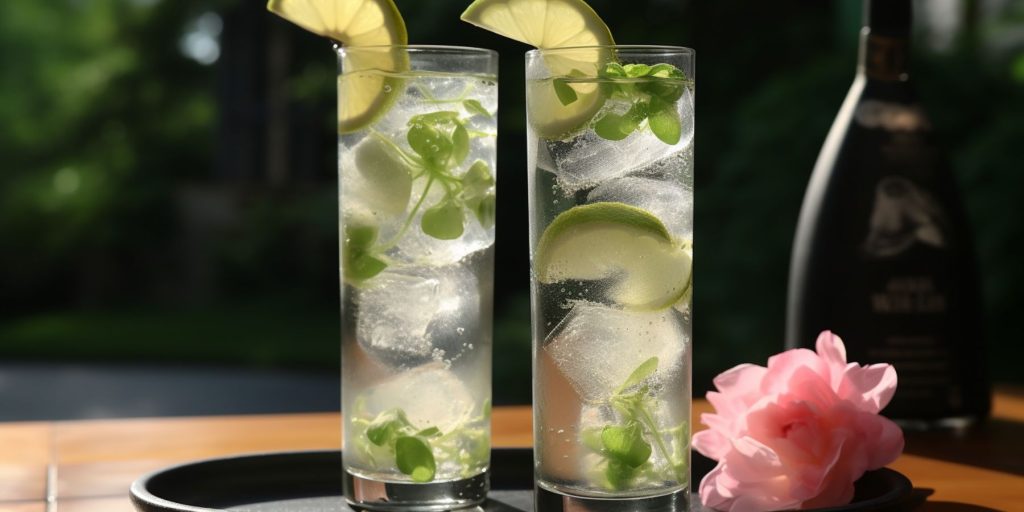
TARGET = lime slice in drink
x,y
364,90
649,269
550,24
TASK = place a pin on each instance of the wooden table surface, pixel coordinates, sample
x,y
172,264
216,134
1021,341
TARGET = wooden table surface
x,y
86,466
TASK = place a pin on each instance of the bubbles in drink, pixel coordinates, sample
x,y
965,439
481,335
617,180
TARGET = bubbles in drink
x,y
596,347
669,200
587,159
411,315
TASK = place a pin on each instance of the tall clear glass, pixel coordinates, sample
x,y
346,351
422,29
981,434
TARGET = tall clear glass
x,y
416,161
610,156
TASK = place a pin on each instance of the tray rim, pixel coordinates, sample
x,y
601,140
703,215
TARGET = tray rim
x,y
140,494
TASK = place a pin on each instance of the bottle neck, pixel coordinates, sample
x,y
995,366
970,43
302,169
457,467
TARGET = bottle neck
x,y
885,40
883,58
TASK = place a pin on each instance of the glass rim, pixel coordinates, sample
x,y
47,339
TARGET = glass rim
x,y
653,49
433,49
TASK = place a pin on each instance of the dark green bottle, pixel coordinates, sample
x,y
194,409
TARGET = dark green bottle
x,y
883,253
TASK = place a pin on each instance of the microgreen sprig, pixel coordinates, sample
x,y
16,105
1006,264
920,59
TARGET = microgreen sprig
x,y
626,446
411,446
417,452
652,92
440,143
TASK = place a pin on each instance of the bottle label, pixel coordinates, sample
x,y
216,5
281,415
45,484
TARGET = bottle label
x,y
903,214
893,117
909,295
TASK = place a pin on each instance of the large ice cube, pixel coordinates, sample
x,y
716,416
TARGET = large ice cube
x,y
587,160
597,347
408,316
384,203
376,182
668,200
430,395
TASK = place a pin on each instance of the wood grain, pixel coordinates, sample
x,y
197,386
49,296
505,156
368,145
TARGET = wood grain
x,y
25,443
22,482
95,461
180,439
38,506
111,504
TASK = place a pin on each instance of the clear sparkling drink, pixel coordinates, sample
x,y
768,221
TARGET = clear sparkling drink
x,y
610,156
416,213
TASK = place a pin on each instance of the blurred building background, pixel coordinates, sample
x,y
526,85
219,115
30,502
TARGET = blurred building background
x,y
168,186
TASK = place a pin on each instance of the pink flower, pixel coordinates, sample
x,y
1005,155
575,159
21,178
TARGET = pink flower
x,y
798,433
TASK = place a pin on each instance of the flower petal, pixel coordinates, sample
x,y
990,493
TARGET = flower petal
x,y
886,442
782,366
832,351
711,494
870,387
711,443
830,347
751,461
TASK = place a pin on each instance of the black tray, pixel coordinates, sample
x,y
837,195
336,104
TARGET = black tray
x,y
311,482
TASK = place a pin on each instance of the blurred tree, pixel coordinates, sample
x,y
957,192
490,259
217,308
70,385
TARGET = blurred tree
x,y
168,180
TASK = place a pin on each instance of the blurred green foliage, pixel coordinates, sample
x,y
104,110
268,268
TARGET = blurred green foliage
x,y
155,204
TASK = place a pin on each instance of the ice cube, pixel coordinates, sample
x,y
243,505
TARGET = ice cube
x,y
430,395
376,182
668,200
412,315
587,160
538,153
375,202
427,94
597,347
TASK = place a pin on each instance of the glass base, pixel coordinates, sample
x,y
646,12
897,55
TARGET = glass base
x,y
434,496
547,500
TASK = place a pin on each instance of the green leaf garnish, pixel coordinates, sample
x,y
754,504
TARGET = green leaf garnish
x,y
646,369
636,70
614,70
440,143
626,444
416,451
477,180
474,107
429,432
609,127
460,144
443,221
620,475
664,122
430,143
565,93
652,94
617,127
358,262
414,458
364,266
477,194
384,428
360,236
666,71
627,447
486,211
